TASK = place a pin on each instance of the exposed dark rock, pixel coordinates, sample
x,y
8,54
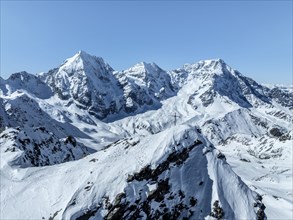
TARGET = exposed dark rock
x,y
130,178
258,121
70,139
282,97
118,198
260,214
221,156
276,132
245,160
285,137
192,201
258,197
159,194
87,214
116,213
217,212
207,98
181,194
176,157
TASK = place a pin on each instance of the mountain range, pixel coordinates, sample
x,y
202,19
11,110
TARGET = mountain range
x,y
83,141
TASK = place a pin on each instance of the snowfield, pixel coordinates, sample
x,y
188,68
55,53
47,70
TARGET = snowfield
x,y
42,192
83,141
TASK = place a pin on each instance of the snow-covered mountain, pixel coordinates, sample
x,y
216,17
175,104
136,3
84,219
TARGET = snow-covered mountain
x,y
91,84
84,141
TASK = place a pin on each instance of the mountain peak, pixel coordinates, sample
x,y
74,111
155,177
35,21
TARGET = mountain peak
x,y
82,61
210,66
143,64
22,76
219,60
82,52
145,67
213,62
84,55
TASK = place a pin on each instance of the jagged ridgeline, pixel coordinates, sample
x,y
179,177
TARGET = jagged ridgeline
x,y
83,141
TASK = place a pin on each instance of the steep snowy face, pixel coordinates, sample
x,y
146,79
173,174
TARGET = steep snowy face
x,y
150,76
88,82
247,123
144,85
211,80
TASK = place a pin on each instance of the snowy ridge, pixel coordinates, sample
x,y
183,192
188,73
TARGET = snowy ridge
x,y
38,147
24,81
96,189
144,143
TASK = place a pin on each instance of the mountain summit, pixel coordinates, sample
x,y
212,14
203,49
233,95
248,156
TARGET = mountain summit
x,y
89,64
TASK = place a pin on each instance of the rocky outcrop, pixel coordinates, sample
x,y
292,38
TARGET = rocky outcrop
x,y
39,147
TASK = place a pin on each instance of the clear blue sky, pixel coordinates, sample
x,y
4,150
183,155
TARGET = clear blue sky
x,y
253,37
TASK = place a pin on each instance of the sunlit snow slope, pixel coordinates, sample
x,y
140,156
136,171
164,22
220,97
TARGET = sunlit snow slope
x,y
84,141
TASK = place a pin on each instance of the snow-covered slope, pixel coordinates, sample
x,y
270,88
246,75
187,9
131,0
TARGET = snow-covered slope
x,y
174,174
83,141
38,147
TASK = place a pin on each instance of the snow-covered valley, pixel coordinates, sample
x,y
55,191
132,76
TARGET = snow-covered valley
x,y
84,141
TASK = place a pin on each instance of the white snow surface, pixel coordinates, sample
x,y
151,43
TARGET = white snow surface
x,y
118,134
43,191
